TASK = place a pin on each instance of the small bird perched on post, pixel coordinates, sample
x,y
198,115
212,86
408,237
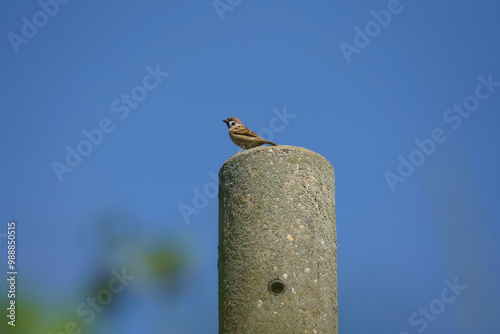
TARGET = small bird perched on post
x,y
243,136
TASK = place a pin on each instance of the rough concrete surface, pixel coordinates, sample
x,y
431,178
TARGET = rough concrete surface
x,y
277,223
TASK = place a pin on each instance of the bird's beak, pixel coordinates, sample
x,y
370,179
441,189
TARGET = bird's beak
x,y
225,121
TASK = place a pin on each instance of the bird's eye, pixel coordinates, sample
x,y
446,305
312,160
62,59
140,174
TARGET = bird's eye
x,y
232,123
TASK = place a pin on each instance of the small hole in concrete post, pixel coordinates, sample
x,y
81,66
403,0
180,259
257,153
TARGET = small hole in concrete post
x,y
276,287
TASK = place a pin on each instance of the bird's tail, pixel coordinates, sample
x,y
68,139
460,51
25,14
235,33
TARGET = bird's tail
x,y
270,143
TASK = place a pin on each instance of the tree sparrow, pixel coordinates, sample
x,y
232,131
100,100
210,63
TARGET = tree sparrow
x,y
243,136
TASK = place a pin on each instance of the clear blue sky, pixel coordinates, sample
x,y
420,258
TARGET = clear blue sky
x,y
374,86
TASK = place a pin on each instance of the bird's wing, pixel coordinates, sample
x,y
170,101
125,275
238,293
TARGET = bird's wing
x,y
244,131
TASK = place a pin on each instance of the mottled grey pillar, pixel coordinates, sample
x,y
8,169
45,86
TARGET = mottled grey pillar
x,y
277,243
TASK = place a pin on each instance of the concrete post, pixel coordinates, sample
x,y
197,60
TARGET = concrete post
x,y
277,243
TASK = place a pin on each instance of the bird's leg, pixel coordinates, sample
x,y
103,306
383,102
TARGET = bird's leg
x,y
240,151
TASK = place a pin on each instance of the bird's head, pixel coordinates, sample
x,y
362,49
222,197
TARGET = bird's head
x,y
231,121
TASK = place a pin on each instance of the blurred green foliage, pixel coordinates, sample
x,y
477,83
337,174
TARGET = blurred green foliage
x,y
156,260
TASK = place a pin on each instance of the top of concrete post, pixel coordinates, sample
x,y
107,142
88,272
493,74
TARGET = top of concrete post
x,y
273,152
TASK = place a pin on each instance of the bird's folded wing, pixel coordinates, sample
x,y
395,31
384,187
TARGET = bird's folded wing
x,y
244,131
